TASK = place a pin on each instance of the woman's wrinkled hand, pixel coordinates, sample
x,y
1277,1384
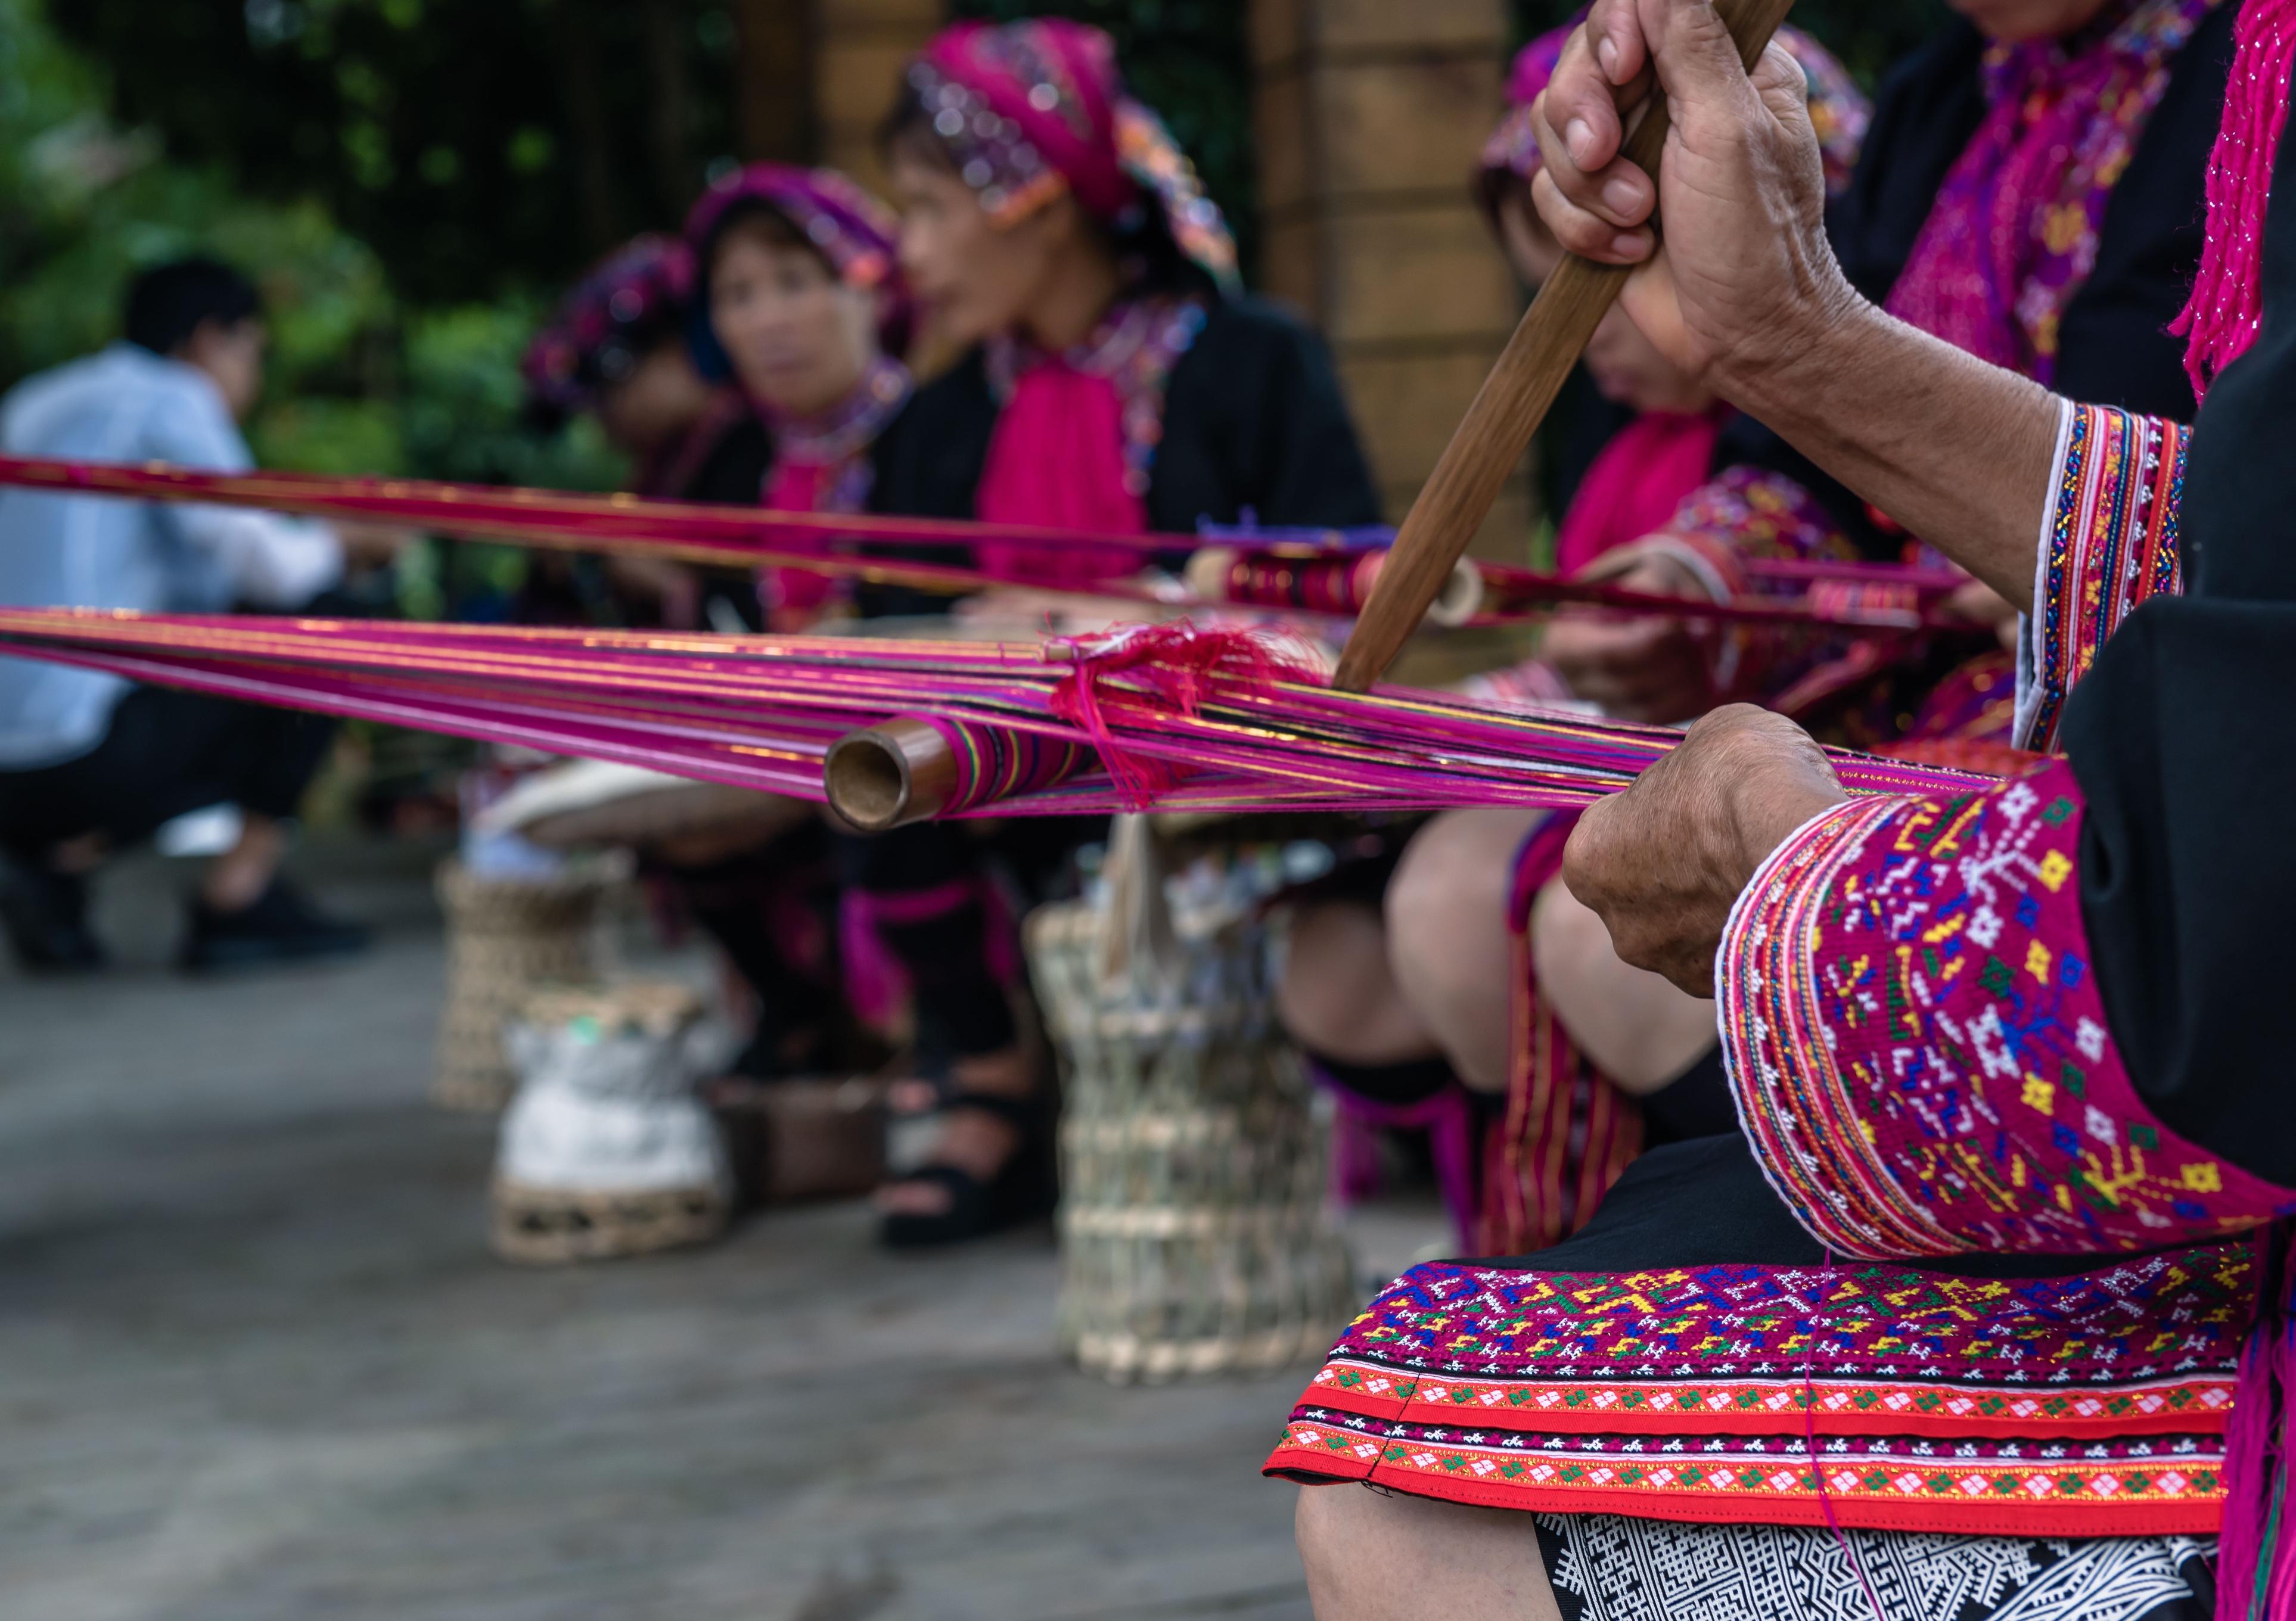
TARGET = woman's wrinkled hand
x,y
1637,666
1663,862
1745,279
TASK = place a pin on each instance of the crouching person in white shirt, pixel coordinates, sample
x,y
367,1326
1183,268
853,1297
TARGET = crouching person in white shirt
x,y
89,763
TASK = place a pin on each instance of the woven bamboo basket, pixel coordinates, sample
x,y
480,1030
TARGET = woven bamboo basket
x,y
606,1151
1195,1229
506,938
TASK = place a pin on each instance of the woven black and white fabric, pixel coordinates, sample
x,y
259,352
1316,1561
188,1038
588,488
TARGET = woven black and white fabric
x,y
1607,1568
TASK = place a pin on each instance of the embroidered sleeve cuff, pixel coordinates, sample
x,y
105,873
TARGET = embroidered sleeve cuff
x,y
1776,1045
1919,1048
2108,542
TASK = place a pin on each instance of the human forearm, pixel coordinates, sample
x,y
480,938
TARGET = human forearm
x,y
1959,452
272,561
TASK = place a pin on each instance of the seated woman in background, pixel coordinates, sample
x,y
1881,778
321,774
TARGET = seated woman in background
x,y
1110,378
755,362
2025,192
1360,1016
617,349
798,298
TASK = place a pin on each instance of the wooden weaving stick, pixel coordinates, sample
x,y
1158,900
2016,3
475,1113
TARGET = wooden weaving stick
x,y
1512,403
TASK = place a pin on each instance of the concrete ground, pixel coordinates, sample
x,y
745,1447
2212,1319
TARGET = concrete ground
x,y
255,1361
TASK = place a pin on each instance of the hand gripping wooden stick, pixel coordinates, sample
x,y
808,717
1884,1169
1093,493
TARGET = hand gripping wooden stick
x,y
1514,400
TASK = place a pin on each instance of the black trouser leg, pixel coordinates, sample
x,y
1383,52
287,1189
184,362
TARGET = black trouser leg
x,y
930,879
166,753
735,902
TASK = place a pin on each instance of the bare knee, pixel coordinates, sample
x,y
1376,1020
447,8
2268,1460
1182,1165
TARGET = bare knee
x,y
1446,919
1639,1029
1373,1557
1337,994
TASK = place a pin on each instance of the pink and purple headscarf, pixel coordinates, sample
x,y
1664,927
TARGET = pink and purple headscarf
x,y
636,298
1028,110
1837,107
854,234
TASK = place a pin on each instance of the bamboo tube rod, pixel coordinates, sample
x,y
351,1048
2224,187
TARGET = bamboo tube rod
x,y
890,775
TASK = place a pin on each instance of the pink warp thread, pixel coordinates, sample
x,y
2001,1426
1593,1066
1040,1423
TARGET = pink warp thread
x,y
2255,1556
1166,668
2228,303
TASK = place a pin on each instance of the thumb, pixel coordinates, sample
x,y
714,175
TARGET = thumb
x,y
1699,64
1783,84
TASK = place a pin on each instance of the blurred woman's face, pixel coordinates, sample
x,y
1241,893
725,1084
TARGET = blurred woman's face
x,y
799,339
1626,366
975,277
2013,20
659,399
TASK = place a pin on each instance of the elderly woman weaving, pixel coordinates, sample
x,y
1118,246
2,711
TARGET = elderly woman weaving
x,y
1987,1313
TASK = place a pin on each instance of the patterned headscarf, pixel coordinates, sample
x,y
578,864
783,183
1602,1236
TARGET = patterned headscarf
x,y
633,300
852,231
1026,110
1837,107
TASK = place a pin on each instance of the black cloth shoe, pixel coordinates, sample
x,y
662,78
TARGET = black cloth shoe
x,y
46,914
281,926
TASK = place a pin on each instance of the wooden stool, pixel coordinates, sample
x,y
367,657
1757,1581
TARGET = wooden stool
x,y
506,938
1194,1226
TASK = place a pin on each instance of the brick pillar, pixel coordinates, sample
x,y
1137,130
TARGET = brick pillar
x,y
1370,116
860,48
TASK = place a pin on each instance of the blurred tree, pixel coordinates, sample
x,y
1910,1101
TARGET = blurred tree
x,y
359,380
476,144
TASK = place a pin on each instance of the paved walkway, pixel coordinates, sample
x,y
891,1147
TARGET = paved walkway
x,y
255,1361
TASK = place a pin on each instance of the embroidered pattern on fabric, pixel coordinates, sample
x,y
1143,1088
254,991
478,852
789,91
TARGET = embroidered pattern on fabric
x,y
2148,1486
2093,1404
2014,237
2113,542
1920,1050
1612,1568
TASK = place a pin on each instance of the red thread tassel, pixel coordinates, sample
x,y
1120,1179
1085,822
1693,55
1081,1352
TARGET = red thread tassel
x,y
2256,1551
2227,302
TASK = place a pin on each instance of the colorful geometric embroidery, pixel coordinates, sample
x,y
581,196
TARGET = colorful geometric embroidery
x,y
2112,542
2091,1404
2150,1487
1921,1053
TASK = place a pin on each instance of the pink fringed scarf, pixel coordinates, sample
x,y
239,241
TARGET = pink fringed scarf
x,y
2227,302
1057,460
1077,438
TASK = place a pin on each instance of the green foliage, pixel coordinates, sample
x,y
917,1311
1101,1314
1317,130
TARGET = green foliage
x,y
478,145
358,381
1189,59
